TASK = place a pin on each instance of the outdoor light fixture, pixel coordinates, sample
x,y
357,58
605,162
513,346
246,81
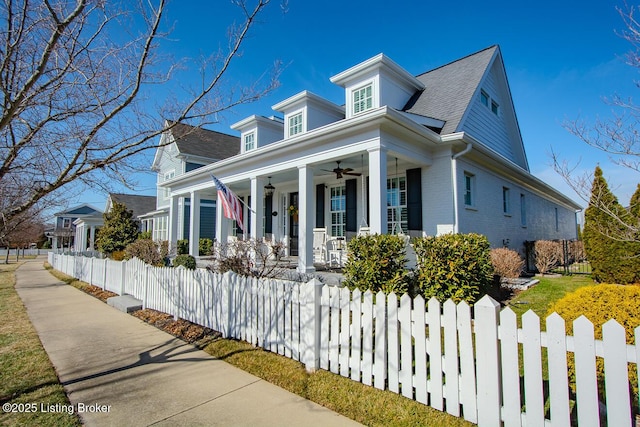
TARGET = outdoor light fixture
x,y
269,189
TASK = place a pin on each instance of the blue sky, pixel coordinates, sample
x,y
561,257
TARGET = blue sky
x,y
561,61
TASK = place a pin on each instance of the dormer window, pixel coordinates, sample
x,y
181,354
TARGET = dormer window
x,y
484,98
295,124
494,107
249,141
363,99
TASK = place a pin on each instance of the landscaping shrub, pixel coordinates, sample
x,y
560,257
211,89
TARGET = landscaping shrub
x,y
186,261
456,266
145,235
377,262
251,258
506,263
599,304
183,247
120,228
148,251
205,246
548,255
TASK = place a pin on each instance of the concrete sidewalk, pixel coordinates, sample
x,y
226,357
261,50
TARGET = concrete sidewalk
x,y
138,375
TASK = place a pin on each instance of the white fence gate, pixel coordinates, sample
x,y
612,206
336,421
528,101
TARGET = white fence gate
x,y
478,365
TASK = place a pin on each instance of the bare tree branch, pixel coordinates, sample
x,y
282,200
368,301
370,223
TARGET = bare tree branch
x,y
76,80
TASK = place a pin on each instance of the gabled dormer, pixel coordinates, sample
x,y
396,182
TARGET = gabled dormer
x,y
258,131
374,83
306,111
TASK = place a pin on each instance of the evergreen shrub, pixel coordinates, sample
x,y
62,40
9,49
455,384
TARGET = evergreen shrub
x,y
599,304
205,246
377,262
186,261
454,266
183,247
148,251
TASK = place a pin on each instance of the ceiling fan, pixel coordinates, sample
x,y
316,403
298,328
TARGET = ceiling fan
x,y
346,171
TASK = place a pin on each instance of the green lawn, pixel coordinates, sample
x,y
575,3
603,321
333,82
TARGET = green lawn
x,y
26,374
550,289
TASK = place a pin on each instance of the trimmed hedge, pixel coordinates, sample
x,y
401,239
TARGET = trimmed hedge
x,y
377,263
455,266
186,261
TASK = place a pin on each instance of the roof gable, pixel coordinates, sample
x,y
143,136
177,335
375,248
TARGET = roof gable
x,y
82,210
136,203
197,142
452,93
450,88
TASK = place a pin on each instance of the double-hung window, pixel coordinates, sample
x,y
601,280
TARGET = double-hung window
x,y
506,203
363,99
167,176
295,124
249,141
469,189
338,211
397,205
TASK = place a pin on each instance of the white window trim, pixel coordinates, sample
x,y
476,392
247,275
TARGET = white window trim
x,y
300,124
245,137
170,174
338,229
352,102
471,190
506,201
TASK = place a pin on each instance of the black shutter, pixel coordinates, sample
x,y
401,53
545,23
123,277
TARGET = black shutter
x,y
320,205
351,201
414,199
268,207
238,229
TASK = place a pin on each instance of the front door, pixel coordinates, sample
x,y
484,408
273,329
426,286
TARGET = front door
x,y
293,224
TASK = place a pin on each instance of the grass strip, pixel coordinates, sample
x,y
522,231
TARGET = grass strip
x,y
365,404
26,373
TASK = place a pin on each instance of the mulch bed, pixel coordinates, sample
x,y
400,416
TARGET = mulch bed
x,y
183,329
97,292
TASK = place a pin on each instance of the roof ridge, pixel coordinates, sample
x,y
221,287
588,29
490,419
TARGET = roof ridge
x,y
460,59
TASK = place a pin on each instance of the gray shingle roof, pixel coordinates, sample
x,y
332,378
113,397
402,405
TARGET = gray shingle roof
x,y
450,88
201,142
138,204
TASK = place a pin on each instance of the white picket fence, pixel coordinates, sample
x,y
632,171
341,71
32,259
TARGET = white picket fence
x,y
479,366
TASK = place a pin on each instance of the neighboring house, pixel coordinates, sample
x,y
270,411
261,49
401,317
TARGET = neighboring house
x,y
181,150
86,227
137,204
64,232
421,155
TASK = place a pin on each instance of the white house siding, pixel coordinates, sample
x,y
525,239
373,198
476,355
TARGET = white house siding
x,y
437,195
316,117
168,161
485,126
487,217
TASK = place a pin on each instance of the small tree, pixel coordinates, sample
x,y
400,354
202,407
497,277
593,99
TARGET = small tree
x,y
548,255
148,251
506,263
119,229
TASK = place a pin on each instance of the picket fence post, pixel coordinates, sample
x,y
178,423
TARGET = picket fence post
x,y
487,361
310,298
123,269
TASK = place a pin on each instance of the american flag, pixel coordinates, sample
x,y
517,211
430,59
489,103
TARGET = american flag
x,y
230,203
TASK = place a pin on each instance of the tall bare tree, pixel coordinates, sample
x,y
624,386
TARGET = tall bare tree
x,y
618,137
77,79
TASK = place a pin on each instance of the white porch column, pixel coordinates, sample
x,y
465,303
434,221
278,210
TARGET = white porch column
x,y
378,190
80,238
92,238
305,222
194,224
222,224
174,210
257,206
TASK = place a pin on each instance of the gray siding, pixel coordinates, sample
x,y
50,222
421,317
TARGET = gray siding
x,y
484,125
